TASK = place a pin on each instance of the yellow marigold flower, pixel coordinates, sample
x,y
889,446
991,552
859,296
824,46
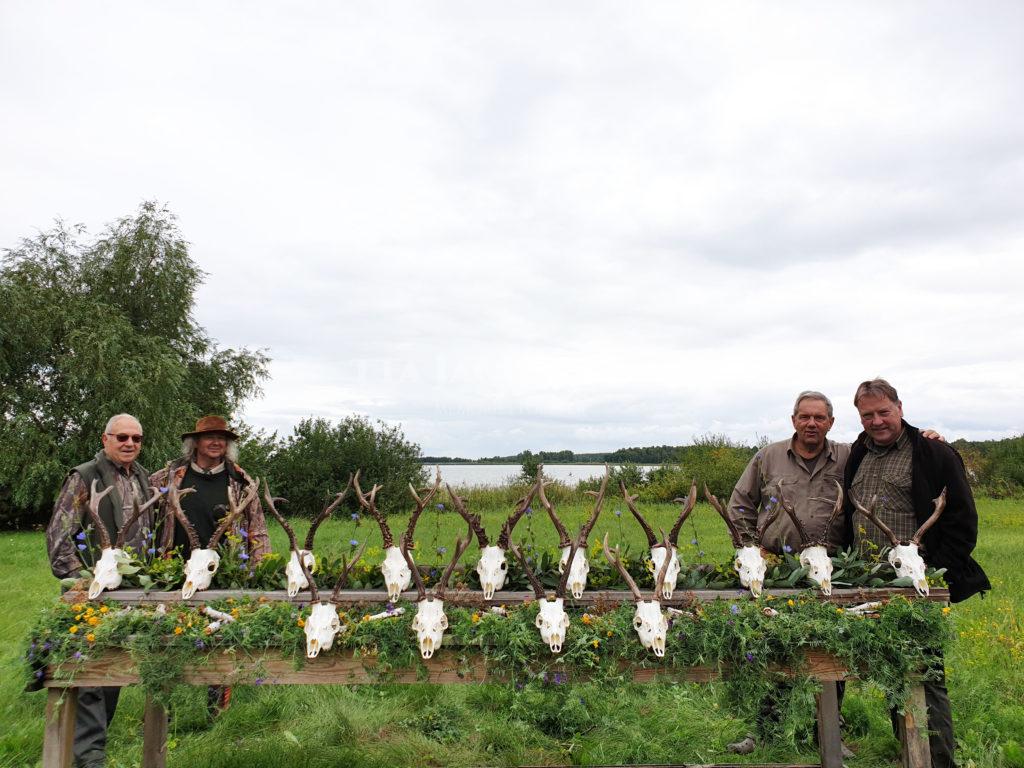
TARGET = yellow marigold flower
x,y
234,612
475,617
946,610
93,621
90,611
839,610
231,599
73,629
301,622
769,597
77,607
596,643
178,630
609,633
91,637
366,617
78,617
586,618
104,609
790,603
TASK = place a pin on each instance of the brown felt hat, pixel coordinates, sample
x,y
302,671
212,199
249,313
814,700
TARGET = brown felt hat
x,y
209,424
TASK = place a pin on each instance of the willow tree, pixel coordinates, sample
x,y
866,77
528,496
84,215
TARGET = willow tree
x,y
93,326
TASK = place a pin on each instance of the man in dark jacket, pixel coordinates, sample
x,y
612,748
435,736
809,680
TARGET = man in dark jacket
x,y
892,462
72,545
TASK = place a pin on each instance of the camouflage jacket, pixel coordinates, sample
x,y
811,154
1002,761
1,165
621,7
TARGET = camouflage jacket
x,y
251,521
70,541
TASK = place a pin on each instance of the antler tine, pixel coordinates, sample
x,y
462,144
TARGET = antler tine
x,y
614,560
772,516
174,494
234,510
474,520
95,497
421,504
313,591
688,504
940,506
737,540
135,515
805,540
598,502
538,588
346,569
563,535
369,504
652,540
870,515
461,545
509,525
564,581
659,582
326,513
837,507
416,577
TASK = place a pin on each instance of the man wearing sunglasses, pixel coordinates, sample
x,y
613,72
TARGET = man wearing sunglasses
x,y
73,546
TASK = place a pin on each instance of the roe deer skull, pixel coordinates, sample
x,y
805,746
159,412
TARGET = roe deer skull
x,y
105,573
749,561
660,550
649,622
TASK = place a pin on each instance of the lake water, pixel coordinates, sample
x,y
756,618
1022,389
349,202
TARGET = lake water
x,y
482,475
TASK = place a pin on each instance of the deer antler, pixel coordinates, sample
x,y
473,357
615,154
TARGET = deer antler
x,y
174,494
617,562
135,515
659,582
805,540
421,504
771,517
688,504
870,515
326,513
598,501
475,525
940,506
563,535
416,577
460,547
235,509
538,588
95,497
737,540
521,506
564,581
346,569
313,592
837,507
630,502
369,503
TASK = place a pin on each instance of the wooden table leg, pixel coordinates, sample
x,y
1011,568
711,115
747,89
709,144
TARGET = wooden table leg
x,y
154,735
59,731
830,744
913,728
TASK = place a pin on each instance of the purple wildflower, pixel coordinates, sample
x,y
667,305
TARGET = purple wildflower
x,y
442,550
151,551
618,513
355,516
47,646
163,489
353,543
200,644
81,547
243,533
786,548
529,511
77,655
750,656
440,507
80,536
694,542
39,674
734,609
243,555
259,681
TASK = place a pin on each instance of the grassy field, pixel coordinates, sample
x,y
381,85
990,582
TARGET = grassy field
x,y
494,725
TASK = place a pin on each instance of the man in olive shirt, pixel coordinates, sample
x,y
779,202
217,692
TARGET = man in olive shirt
x,y
891,461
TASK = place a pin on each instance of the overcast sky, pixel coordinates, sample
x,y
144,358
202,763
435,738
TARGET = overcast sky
x,y
561,225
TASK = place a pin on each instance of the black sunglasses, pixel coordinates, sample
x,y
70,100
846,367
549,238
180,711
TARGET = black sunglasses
x,y
123,438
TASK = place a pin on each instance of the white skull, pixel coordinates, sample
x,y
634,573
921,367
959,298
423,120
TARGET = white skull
x,y
321,627
751,567
819,566
492,569
577,571
908,562
553,623
293,571
199,570
651,625
397,576
105,574
671,574
429,625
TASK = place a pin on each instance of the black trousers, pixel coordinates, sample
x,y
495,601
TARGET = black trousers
x,y
95,711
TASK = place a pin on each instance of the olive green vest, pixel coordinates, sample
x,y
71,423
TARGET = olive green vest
x,y
102,469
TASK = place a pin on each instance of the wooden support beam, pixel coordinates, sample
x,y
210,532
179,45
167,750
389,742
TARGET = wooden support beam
x,y
59,731
913,730
830,744
154,735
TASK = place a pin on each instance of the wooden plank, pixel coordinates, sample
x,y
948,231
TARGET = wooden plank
x,y
449,666
830,743
61,705
473,598
154,735
913,730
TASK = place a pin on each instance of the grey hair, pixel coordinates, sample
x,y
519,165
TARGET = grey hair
x,y
188,449
876,388
114,419
811,394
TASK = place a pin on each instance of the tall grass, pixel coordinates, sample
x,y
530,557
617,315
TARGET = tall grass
x,y
497,725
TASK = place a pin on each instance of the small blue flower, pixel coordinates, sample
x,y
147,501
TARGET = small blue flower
x,y
433,573
618,513
355,516
750,656
39,674
163,489
734,609
77,655
353,542
243,533
442,550
259,681
440,507
151,551
529,511
81,536
243,555
200,644
81,547
47,646
694,542
786,548
773,500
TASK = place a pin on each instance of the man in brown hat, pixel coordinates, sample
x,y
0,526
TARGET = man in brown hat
x,y
208,465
